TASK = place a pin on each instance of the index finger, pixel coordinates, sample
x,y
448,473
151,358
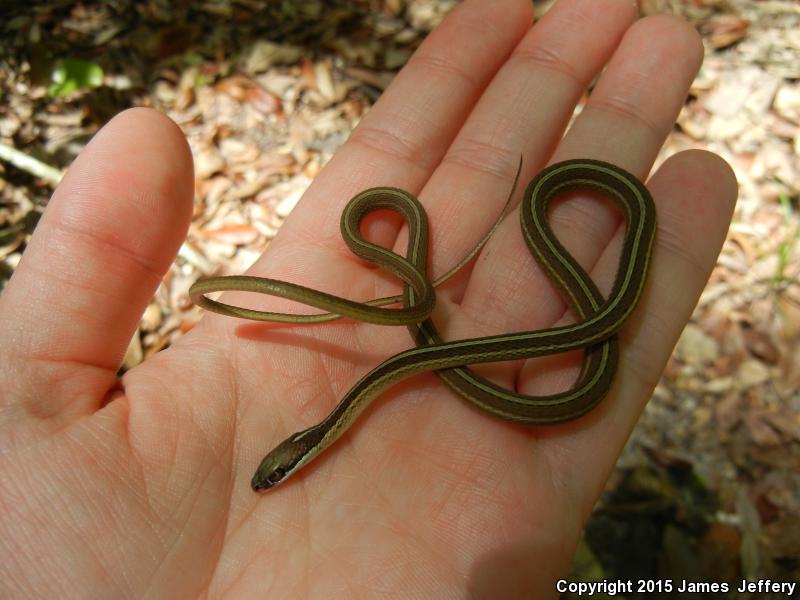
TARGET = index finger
x,y
405,135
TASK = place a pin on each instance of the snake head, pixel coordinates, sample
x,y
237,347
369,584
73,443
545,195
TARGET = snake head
x,y
286,458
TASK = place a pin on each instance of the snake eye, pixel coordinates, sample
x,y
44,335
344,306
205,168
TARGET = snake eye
x,y
276,476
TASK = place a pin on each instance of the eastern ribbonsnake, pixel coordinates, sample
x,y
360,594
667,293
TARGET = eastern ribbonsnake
x,y
598,318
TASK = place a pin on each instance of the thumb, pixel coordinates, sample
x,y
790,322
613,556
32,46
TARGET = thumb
x,y
108,235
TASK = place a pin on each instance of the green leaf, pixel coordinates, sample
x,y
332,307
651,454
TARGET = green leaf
x,y
73,74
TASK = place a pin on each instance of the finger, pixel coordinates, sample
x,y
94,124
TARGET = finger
x,y
627,119
624,123
635,103
403,137
501,292
524,111
530,99
695,193
108,235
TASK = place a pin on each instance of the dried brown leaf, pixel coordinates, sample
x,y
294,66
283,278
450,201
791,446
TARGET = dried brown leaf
x,y
760,345
751,373
785,421
782,538
728,412
376,79
237,234
725,30
695,347
760,430
263,101
236,87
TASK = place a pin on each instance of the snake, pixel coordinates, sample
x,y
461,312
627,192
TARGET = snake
x,y
598,318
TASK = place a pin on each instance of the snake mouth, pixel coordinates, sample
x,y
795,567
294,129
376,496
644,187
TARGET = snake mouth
x,y
261,483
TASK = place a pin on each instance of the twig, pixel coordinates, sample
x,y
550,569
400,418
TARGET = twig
x,y
30,165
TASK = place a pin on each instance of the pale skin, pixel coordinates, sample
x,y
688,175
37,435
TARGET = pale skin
x,y
139,487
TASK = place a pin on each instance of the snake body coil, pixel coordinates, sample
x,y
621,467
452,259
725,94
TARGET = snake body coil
x,y
598,318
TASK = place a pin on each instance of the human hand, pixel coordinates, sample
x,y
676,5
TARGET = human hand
x,y
141,486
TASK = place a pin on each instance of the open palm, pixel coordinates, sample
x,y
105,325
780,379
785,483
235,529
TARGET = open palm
x,y
140,487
